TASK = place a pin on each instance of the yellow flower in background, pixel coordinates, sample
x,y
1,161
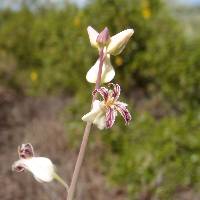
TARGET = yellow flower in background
x,y
77,21
146,10
119,61
34,76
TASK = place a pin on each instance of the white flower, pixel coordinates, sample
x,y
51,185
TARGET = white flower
x,y
42,168
114,46
104,112
108,71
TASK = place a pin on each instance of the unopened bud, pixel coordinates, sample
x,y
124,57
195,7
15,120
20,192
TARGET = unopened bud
x,y
119,41
104,37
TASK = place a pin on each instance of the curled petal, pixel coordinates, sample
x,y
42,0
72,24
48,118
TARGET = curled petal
x,y
121,108
42,168
93,34
102,91
119,41
116,90
108,71
25,151
110,117
18,167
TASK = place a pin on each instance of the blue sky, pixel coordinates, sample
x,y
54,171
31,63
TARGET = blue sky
x,y
10,3
189,2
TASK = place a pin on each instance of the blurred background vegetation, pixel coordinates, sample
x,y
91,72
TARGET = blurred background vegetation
x,y
45,51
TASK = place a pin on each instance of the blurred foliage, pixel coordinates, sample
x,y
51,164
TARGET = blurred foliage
x,y
53,44
155,157
47,51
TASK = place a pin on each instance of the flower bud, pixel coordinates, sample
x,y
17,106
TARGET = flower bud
x,y
104,37
119,41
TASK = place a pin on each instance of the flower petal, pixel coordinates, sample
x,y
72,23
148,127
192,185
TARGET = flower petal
x,y
121,108
108,72
96,109
107,75
116,91
42,168
110,117
102,91
25,151
100,121
119,41
93,34
96,115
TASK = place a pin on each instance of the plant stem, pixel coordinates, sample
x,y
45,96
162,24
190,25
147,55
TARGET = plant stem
x,y
61,181
86,134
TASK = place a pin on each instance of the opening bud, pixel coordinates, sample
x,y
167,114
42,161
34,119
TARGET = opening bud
x,y
104,37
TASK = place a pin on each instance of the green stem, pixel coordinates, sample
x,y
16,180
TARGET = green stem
x,y
61,181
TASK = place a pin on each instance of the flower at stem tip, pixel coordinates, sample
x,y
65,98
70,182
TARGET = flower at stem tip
x,y
104,112
42,168
112,46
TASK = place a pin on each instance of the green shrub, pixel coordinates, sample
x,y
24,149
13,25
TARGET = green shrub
x,y
155,156
51,51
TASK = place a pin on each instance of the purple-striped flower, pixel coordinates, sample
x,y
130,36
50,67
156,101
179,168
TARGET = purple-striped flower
x,y
104,112
42,168
112,46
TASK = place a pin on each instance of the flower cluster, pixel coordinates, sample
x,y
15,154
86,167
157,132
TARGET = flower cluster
x,y
103,113
112,46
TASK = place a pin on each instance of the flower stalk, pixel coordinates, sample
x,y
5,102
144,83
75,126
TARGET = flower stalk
x,y
86,134
102,112
61,181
